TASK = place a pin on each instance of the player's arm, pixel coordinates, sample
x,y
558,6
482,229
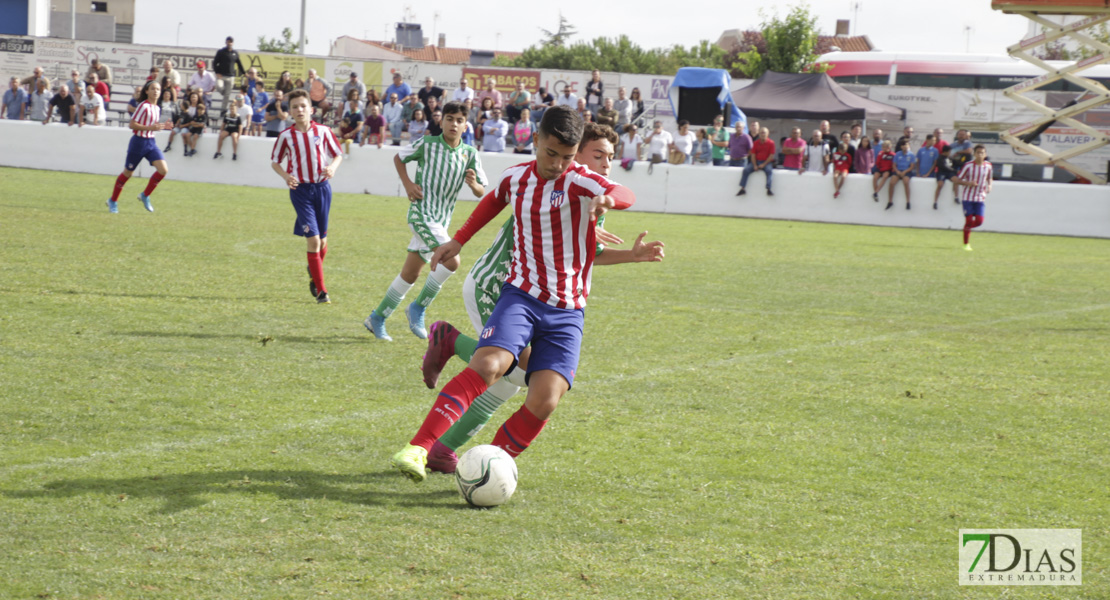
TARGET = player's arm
x,y
640,252
487,210
290,180
414,192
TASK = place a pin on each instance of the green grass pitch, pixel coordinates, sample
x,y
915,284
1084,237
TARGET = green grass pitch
x,y
779,410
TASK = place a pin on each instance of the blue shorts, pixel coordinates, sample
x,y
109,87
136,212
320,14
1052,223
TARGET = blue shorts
x,y
140,148
554,333
973,209
944,175
312,201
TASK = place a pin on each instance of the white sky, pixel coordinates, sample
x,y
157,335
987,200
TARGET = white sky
x,y
933,26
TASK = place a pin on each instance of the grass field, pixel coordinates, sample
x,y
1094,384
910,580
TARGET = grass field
x,y
779,410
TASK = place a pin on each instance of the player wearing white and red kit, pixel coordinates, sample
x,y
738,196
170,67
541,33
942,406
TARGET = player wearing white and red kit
x,y
555,204
976,179
144,123
311,155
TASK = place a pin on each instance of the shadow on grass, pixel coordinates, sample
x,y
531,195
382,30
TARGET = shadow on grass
x,y
100,294
296,339
184,491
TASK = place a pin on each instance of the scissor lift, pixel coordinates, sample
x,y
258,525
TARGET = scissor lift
x,y
1096,12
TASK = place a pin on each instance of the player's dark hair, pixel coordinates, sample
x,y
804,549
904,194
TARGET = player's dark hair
x,y
683,122
593,131
146,88
298,93
454,107
930,137
977,147
563,123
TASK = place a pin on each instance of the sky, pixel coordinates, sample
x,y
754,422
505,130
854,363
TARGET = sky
x,y
934,26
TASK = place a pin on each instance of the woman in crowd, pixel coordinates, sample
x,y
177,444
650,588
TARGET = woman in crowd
x,y
864,159
417,126
169,113
637,104
352,107
703,150
523,132
372,99
630,143
484,112
285,83
684,141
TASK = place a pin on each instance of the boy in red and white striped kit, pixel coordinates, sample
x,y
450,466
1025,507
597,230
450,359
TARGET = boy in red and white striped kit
x,y
975,180
555,204
312,155
144,123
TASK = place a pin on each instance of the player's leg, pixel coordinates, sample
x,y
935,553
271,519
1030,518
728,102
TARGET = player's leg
x,y
136,149
321,200
400,286
432,234
161,169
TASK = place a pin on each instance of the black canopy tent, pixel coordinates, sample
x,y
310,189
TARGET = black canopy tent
x,y
809,96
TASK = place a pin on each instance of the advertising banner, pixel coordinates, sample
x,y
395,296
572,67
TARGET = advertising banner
x,y
927,109
505,80
17,58
655,92
555,82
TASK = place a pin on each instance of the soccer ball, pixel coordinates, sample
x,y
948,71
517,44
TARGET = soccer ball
x,y
486,476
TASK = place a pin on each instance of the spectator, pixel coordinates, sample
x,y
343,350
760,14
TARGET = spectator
x,y
204,81
542,101
519,99
817,154
490,92
792,150
494,131
582,108
904,161
169,73
91,107
285,83
637,103
398,87
75,84
232,127
194,128
374,128
524,132
318,91
961,149
739,146
884,166
353,113
856,134
258,107
595,91
133,103
623,106
372,98
864,160
153,75
938,135
66,105
703,150
467,136
353,83
15,101
417,126
246,113
567,98
349,128
464,92
430,90
877,140
167,84
830,139
393,112
32,82
485,111
277,113
907,136
718,138
945,172
102,72
435,126
841,163
352,106
659,142
630,143
846,138
587,116
684,142
927,157
762,158
607,115
168,112
477,114
409,106
101,88
431,106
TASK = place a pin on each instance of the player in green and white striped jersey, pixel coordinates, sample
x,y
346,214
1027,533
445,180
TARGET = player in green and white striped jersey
x,y
481,291
443,165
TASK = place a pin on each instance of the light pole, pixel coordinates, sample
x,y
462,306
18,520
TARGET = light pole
x,y
179,24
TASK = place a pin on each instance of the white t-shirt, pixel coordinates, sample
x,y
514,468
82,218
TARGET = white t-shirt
x,y
659,143
94,108
816,157
461,95
245,113
630,146
685,143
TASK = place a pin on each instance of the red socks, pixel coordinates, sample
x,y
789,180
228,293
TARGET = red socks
x,y
120,182
323,252
518,432
971,222
154,179
316,269
451,403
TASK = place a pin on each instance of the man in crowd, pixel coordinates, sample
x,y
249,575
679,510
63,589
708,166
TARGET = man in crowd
x,y
718,136
393,112
277,114
490,92
32,81
792,150
66,104
398,87
907,136
567,98
762,158
857,134
318,91
225,63
170,73
938,138
15,101
430,89
464,92
409,106
961,150
75,84
103,72
542,101
40,100
354,83
877,139
607,115
204,81
623,106
91,107
519,99
830,140
494,131
740,145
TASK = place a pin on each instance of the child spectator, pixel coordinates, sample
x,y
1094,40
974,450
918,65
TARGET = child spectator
x,y
841,163
349,128
417,126
258,107
884,164
703,150
523,132
945,171
927,156
232,126
195,126
434,126
863,162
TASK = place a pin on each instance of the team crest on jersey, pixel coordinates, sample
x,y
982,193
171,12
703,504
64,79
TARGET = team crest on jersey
x,y
557,197
317,140
488,331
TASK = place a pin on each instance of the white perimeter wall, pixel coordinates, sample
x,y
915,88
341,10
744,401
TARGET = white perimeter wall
x,y
1014,207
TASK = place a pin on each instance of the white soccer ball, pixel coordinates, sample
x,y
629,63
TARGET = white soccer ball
x,y
486,476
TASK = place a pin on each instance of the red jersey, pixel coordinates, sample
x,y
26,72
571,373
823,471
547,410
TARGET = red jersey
x,y
980,176
553,234
842,161
885,162
145,114
308,152
762,149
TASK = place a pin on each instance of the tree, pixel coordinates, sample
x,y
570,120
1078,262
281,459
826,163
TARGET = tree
x,y
789,46
619,55
559,38
285,45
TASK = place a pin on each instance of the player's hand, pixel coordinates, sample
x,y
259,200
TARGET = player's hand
x,y
291,181
471,177
413,190
329,172
649,252
166,126
604,237
444,252
599,205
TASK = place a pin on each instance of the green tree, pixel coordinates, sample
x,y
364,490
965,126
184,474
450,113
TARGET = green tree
x,y
619,55
286,45
789,46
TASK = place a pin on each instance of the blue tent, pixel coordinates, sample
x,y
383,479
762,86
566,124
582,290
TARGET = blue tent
x,y
700,77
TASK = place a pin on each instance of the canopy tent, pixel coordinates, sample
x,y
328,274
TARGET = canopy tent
x,y
809,96
698,77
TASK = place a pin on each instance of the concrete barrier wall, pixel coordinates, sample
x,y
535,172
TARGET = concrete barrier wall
x,y
1013,207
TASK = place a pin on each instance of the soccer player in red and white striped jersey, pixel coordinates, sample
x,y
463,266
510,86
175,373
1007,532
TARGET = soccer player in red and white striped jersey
x,y
311,155
144,123
555,204
975,181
